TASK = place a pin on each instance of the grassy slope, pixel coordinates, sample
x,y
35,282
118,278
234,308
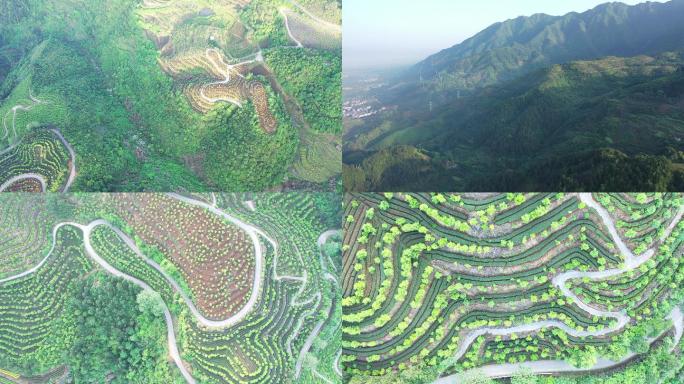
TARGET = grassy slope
x,y
75,70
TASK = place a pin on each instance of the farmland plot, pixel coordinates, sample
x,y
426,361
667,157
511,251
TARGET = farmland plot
x,y
435,284
214,257
244,285
308,32
25,224
293,331
222,54
165,95
39,163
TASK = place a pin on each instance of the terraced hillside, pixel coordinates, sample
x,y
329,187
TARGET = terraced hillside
x,y
105,284
40,162
221,53
179,95
436,284
208,253
25,225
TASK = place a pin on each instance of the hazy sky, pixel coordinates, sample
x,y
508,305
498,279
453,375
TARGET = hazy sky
x,y
401,32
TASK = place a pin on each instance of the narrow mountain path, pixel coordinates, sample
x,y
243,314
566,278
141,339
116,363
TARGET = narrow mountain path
x,y
252,231
90,251
14,110
87,229
228,70
677,318
303,280
322,239
67,145
170,332
25,176
172,343
289,32
336,366
72,165
631,262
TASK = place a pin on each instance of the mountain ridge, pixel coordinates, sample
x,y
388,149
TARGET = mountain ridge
x,y
508,49
579,117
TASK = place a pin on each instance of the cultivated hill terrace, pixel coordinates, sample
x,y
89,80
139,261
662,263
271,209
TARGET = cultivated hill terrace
x,y
435,284
169,288
170,95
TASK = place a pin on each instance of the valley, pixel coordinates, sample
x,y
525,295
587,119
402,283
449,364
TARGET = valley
x,y
530,104
174,94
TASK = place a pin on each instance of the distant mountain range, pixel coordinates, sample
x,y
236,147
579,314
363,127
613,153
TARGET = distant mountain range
x,y
591,101
514,47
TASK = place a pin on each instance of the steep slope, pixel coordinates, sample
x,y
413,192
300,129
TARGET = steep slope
x,y
176,95
10,51
608,124
631,104
514,47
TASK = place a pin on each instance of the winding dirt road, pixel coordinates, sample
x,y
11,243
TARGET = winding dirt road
x,y
87,230
226,69
172,343
252,231
40,178
631,262
25,176
14,110
170,332
547,367
72,154
322,239
287,26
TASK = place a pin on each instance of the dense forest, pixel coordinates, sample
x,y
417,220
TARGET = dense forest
x,y
96,74
512,48
121,329
313,77
608,123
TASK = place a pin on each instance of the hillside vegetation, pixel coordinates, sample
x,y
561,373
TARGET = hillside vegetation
x,y
437,284
514,47
609,123
166,95
167,288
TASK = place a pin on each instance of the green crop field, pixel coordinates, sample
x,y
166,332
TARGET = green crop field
x,y
475,287
89,293
161,95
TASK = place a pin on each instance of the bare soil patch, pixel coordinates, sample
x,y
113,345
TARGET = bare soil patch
x,y
214,257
